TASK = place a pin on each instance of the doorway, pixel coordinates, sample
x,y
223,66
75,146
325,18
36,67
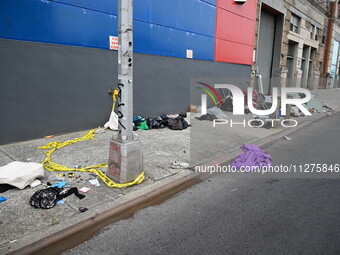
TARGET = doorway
x,y
269,48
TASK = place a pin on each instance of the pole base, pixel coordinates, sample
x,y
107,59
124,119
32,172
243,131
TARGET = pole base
x,y
125,161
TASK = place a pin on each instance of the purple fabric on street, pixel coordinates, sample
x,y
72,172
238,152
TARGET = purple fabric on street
x,y
252,156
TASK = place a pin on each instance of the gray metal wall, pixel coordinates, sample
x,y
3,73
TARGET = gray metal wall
x,y
54,89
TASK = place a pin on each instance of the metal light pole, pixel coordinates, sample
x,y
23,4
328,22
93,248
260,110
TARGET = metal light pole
x,y
125,157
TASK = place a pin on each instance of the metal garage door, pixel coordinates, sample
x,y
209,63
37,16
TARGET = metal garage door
x,y
266,48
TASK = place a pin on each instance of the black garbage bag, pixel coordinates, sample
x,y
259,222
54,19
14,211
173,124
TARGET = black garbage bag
x,y
45,198
48,198
178,123
155,123
183,114
175,124
207,116
164,117
227,105
185,124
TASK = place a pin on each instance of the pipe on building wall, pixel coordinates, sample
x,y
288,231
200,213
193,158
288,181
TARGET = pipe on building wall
x,y
328,43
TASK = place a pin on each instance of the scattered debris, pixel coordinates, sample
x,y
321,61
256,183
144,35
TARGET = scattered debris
x,y
217,112
13,241
252,156
35,183
156,123
295,111
61,202
49,136
83,209
261,121
99,130
207,117
59,185
95,182
314,104
227,104
233,190
178,123
48,198
71,175
143,126
287,138
174,122
138,119
84,189
3,199
193,108
177,164
183,114
5,187
328,108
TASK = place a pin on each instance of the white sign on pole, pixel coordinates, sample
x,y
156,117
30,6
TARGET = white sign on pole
x,y
113,42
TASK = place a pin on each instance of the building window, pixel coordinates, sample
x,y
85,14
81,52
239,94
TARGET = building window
x,y
317,34
314,32
335,62
294,23
291,63
323,40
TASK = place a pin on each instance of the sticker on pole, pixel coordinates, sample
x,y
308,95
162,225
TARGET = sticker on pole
x,y
113,42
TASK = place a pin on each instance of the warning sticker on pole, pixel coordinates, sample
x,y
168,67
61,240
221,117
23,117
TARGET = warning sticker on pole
x,y
113,42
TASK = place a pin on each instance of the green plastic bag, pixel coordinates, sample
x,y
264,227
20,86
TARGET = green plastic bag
x,y
143,126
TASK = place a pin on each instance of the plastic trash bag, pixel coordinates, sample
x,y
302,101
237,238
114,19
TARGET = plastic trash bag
x,y
45,198
138,119
217,112
155,123
178,123
113,121
48,198
207,117
143,126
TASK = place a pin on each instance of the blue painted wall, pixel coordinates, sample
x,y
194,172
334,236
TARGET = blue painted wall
x,y
162,27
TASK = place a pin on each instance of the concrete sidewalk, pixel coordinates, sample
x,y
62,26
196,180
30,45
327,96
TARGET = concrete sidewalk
x,y
22,224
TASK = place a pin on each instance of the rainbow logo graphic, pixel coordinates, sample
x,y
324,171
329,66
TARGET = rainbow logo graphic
x,y
209,90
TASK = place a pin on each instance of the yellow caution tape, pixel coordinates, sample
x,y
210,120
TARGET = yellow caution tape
x,y
114,98
52,166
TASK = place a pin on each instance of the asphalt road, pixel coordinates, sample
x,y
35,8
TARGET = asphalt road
x,y
232,215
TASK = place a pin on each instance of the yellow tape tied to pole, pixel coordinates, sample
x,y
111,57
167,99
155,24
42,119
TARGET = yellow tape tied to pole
x,y
52,166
